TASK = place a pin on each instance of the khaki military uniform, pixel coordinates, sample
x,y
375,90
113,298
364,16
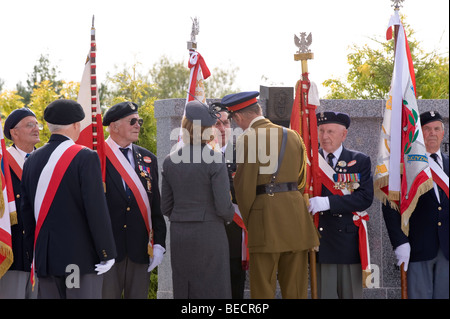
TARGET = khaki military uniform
x,y
280,229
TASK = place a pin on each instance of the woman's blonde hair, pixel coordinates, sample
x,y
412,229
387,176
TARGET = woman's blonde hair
x,y
195,134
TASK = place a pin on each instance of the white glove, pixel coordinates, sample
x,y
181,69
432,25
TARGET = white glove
x,y
318,204
402,253
158,253
104,266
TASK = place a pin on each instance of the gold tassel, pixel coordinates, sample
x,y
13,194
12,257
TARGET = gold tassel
x,y
422,189
6,251
2,204
365,274
150,250
13,218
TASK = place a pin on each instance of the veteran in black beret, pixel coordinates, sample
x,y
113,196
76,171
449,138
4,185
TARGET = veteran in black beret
x,y
132,194
424,252
22,127
196,199
72,229
119,111
280,230
349,189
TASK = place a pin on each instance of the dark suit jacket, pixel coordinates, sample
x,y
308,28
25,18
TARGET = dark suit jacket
x,y
129,229
234,232
77,229
339,243
428,224
21,259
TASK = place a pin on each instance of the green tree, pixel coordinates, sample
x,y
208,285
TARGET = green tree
x,y
131,85
9,101
43,70
42,96
171,80
371,70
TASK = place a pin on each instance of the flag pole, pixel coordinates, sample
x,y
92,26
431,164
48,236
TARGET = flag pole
x,y
403,274
308,131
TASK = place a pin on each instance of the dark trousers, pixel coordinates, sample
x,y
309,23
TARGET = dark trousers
x,y
54,287
237,278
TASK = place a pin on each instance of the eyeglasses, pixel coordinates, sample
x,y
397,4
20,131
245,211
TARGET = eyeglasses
x,y
31,125
134,120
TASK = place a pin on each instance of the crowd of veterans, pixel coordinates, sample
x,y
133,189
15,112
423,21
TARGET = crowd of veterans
x,y
226,217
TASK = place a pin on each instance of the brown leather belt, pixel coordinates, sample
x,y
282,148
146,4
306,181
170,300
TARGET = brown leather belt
x,y
276,188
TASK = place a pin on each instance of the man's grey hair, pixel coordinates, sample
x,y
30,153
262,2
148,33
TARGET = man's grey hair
x,y
56,127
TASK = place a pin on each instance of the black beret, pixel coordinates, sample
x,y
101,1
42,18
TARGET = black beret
x,y
119,111
15,117
200,112
430,116
333,117
237,101
63,112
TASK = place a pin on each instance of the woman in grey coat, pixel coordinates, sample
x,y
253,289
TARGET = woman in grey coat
x,y
196,197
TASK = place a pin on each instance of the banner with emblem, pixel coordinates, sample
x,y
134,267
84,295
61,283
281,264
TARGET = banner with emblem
x,y
7,209
91,134
199,73
402,172
304,121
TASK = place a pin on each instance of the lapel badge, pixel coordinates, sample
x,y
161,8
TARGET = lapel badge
x,y
147,159
342,163
351,163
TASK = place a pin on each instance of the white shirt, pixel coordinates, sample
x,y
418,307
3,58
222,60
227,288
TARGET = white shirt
x,y
439,161
22,153
130,157
336,153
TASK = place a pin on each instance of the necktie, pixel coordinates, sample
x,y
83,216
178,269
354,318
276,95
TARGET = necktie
x,y
435,157
125,153
26,156
330,157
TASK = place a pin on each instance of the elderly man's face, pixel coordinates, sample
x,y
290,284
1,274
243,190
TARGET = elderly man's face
x,y
331,136
26,132
433,134
127,128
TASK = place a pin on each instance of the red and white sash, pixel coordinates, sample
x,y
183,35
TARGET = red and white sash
x,y
49,180
237,218
359,218
133,181
15,160
439,176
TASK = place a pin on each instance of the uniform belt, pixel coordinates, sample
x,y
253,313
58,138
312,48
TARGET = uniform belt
x,y
276,188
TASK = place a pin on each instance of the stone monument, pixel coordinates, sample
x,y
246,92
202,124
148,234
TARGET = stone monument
x,y
367,116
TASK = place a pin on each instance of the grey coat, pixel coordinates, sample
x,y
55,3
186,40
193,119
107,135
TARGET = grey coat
x,y
196,197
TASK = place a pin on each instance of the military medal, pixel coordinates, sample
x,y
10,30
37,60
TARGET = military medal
x,y
349,181
149,186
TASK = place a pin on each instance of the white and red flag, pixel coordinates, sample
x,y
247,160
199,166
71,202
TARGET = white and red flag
x,y
7,209
402,172
199,73
91,126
